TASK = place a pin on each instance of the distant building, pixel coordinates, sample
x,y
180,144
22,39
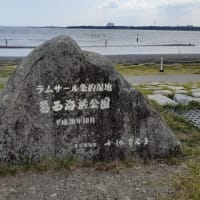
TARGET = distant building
x,y
110,24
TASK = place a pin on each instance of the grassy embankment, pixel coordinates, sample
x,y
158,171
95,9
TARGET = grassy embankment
x,y
187,185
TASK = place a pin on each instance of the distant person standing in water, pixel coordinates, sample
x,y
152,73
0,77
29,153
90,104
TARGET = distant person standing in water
x,y
137,38
106,43
6,42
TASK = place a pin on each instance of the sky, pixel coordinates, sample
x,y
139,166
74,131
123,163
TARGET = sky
x,y
99,12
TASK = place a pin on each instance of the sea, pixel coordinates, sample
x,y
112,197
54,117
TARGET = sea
x,y
21,40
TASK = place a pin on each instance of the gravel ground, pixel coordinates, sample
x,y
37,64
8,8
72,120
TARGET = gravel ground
x,y
144,182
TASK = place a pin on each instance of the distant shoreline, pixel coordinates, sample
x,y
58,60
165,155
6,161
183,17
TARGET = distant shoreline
x,y
164,28
103,45
131,59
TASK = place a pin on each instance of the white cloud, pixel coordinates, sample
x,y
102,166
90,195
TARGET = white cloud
x,y
145,12
111,4
99,12
145,4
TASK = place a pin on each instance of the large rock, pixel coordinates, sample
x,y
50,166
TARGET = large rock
x,y
63,101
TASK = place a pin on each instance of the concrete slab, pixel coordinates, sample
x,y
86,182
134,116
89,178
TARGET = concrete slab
x,y
195,90
196,94
163,92
183,99
181,92
197,99
176,87
161,100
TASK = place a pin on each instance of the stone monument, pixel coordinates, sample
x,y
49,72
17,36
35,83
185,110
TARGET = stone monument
x,y
64,101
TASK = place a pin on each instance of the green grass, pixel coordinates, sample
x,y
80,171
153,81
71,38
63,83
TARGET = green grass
x,y
6,71
196,72
1,86
153,69
144,91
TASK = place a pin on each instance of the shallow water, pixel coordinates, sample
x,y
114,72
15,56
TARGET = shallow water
x,y
118,41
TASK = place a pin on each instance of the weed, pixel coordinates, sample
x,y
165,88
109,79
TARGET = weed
x,y
8,170
129,163
43,165
65,163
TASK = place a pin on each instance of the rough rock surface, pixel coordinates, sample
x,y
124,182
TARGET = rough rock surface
x,y
63,101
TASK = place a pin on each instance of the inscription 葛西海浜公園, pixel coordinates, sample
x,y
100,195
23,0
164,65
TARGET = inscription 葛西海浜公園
x,y
72,104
